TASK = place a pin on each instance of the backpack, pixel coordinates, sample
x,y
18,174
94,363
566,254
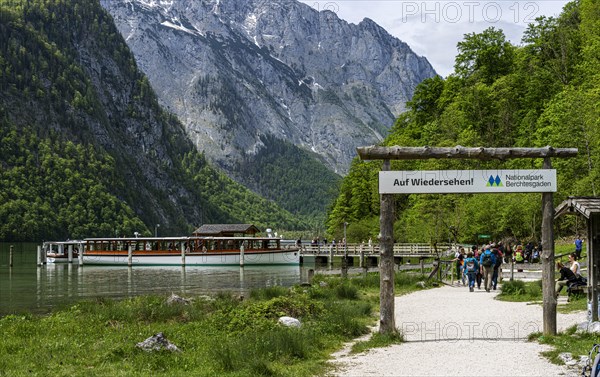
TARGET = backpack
x,y
486,259
470,266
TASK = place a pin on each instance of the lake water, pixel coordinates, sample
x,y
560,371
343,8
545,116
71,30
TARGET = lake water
x,y
28,288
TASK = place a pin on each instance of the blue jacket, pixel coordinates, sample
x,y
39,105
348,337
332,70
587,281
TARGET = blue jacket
x,y
474,260
493,258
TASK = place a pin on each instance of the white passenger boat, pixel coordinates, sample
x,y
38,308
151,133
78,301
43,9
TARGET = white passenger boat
x,y
58,251
189,251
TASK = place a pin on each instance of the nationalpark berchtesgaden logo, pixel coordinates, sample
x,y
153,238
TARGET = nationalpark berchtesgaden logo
x,y
494,182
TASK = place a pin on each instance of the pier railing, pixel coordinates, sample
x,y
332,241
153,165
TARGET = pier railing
x,y
404,249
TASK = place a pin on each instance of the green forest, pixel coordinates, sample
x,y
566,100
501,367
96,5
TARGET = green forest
x,y
85,148
544,91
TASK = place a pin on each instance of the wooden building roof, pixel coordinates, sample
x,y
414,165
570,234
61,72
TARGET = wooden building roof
x,y
226,230
584,205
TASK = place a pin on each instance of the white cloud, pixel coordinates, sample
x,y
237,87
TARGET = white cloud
x,y
433,28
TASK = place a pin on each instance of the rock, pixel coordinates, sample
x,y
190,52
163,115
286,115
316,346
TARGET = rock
x,y
174,299
290,322
582,327
567,358
323,284
593,327
157,342
421,284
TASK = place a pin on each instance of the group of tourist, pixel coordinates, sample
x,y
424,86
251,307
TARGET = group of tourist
x,y
480,266
529,253
483,265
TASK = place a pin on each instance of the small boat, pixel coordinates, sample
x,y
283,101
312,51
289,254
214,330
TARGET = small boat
x,y
189,251
58,251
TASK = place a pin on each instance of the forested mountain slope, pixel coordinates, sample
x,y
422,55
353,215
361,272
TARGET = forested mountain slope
x,y
544,92
86,148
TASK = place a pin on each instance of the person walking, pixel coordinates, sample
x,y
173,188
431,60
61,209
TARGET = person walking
x,y
578,246
459,258
471,266
487,262
497,266
478,275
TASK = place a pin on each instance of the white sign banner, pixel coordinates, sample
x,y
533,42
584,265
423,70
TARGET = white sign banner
x,y
466,181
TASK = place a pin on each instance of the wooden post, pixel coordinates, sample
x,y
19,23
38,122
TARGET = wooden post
x,y
80,254
512,268
70,253
386,265
422,263
129,255
39,255
331,255
362,257
549,295
242,255
10,256
183,253
593,247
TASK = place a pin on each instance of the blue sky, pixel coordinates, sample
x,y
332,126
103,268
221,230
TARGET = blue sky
x,y
433,28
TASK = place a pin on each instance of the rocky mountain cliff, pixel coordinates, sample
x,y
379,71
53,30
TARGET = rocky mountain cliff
x,y
243,76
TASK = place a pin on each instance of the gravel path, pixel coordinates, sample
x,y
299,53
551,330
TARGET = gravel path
x,y
453,332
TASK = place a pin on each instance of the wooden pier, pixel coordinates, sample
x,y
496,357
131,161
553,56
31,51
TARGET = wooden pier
x,y
363,255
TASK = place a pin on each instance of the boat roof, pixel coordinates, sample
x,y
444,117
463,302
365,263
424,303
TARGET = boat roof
x,y
183,238
224,230
68,242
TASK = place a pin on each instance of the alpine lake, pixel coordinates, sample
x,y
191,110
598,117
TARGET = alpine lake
x,y
27,288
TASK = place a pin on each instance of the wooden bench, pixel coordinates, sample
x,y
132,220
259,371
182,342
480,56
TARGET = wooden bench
x,y
576,290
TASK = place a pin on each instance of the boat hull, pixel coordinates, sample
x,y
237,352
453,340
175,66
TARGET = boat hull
x,y
60,259
284,257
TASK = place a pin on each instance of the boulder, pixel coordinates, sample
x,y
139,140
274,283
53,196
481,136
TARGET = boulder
x,y
567,358
157,342
593,327
290,322
174,299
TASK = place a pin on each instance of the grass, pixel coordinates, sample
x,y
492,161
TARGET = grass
x,y
577,303
219,335
377,340
520,291
578,344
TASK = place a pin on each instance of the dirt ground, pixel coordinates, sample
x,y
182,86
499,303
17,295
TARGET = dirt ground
x,y
450,331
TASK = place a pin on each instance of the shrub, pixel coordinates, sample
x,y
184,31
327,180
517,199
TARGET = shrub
x,y
515,287
269,293
346,291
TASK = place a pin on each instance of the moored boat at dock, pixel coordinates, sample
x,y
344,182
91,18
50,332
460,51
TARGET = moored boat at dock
x,y
188,251
58,251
